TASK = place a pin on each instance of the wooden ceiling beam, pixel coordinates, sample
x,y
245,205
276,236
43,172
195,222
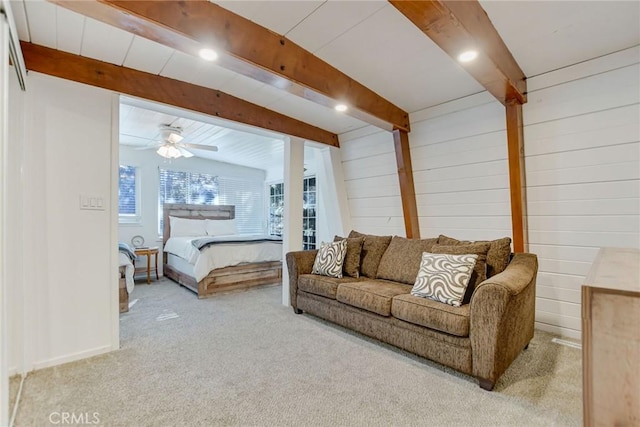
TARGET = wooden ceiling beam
x,y
458,26
246,48
167,91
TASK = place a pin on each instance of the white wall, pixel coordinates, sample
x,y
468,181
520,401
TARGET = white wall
x,y
460,171
371,181
333,216
69,284
149,161
582,127
582,148
15,211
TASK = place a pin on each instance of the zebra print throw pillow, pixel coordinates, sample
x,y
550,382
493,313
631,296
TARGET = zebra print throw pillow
x,y
330,259
444,277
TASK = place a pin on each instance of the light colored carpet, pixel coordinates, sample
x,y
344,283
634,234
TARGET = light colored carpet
x,y
244,359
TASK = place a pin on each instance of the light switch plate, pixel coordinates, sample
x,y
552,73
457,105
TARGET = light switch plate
x,y
91,203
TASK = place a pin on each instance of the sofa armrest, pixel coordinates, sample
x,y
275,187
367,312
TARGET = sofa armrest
x,y
300,262
502,318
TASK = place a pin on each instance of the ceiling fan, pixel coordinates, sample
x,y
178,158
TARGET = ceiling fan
x,y
171,147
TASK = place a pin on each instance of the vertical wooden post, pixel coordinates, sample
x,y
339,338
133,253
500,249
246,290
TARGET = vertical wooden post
x,y
407,189
517,182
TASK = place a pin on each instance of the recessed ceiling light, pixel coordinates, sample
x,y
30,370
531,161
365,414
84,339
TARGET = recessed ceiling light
x,y
468,56
208,54
341,108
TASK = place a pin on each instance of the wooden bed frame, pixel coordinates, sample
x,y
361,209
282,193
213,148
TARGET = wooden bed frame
x,y
220,280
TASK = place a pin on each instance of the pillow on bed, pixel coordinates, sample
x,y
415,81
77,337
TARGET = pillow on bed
x,y
184,227
221,227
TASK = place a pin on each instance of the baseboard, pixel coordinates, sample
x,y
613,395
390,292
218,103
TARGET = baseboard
x,y
71,357
559,330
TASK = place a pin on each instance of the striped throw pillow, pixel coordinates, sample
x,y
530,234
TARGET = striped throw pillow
x,y
444,277
330,258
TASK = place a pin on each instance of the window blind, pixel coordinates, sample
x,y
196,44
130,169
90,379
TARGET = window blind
x,y
127,191
206,189
248,198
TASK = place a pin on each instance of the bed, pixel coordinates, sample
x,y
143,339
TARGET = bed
x,y
226,262
126,256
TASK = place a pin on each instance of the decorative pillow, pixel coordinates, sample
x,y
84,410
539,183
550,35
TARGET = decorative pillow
x,y
479,273
221,227
498,256
351,265
185,227
372,250
330,258
401,261
444,277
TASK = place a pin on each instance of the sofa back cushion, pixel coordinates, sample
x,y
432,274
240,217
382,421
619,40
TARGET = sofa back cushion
x,y
498,256
401,261
351,265
479,273
372,250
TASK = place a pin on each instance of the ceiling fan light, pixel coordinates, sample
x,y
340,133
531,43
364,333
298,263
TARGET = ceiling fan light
x,y
169,151
163,151
173,152
175,137
185,153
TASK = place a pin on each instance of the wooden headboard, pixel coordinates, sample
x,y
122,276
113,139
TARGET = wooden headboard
x,y
194,212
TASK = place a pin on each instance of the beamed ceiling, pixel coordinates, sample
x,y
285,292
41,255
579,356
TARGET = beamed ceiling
x,y
384,59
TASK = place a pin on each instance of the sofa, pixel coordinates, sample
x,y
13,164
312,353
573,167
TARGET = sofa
x,y
481,336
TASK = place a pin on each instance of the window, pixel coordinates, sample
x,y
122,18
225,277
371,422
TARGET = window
x,y
128,194
186,188
309,214
276,207
248,198
205,189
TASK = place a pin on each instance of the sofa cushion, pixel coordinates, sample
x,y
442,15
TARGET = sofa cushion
x,y
498,256
351,265
372,250
321,285
371,295
432,314
479,274
444,277
401,261
330,258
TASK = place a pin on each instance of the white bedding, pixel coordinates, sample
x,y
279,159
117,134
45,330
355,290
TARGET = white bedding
x,y
128,271
219,256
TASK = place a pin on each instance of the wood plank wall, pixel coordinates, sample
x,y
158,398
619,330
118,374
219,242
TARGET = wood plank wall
x,y
582,133
582,154
460,170
371,182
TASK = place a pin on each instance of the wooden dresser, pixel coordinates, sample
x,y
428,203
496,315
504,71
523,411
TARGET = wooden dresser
x,y
611,339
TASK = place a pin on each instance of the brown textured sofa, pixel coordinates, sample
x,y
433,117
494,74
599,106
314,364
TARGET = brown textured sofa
x,y
481,337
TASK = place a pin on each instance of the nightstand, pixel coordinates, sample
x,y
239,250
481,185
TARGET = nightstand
x,y
148,252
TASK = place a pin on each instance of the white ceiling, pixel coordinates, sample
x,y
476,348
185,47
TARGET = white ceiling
x,y
368,40
139,128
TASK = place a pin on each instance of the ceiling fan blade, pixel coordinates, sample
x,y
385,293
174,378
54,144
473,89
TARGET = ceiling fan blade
x,y
153,146
200,147
185,153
